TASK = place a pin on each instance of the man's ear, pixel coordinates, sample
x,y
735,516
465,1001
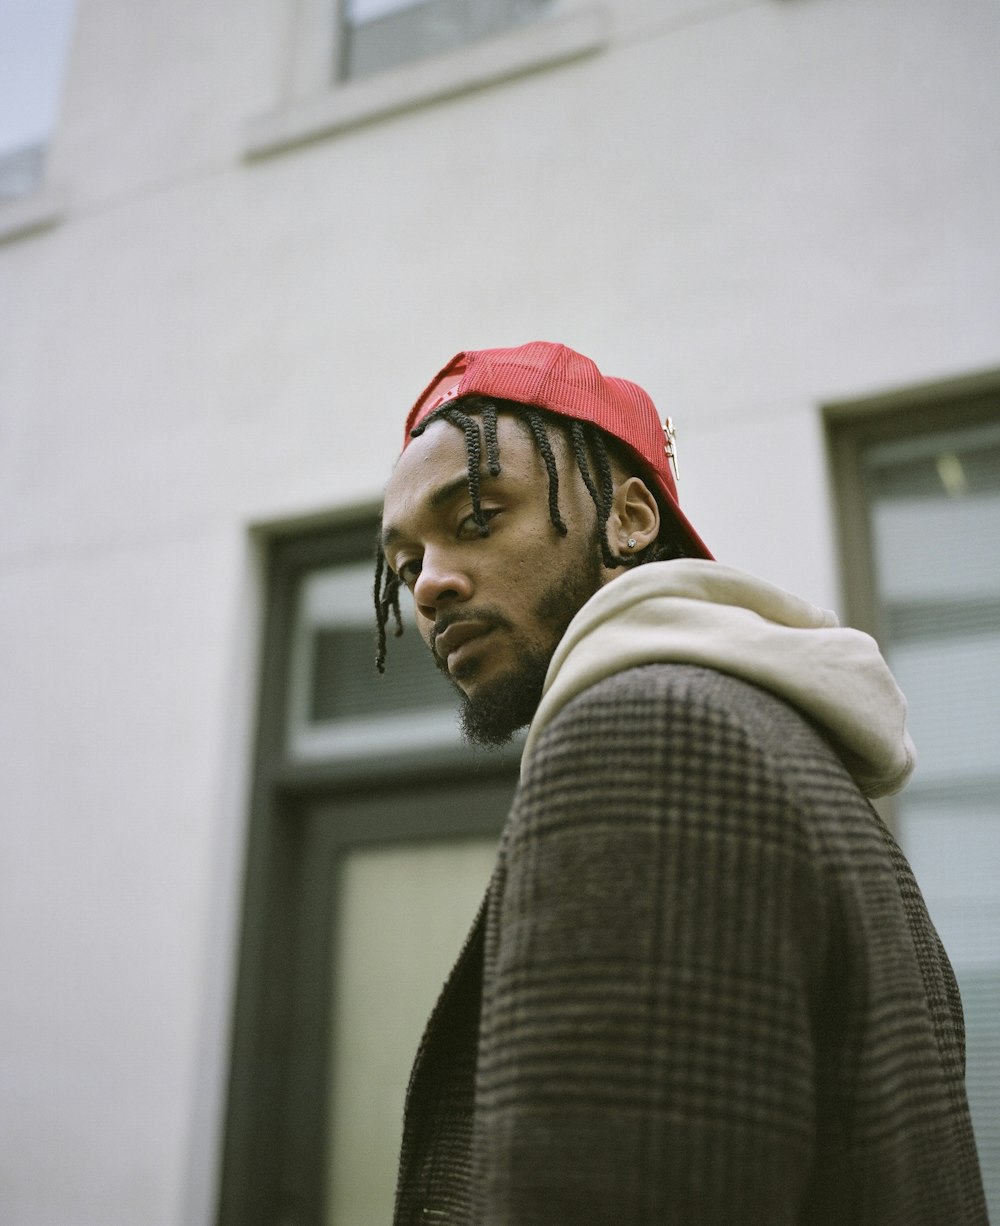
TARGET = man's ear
x,y
634,521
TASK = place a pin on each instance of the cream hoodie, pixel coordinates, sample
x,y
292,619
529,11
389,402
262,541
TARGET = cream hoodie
x,y
697,612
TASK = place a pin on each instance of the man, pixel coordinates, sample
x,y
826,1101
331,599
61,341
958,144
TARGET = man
x,y
703,987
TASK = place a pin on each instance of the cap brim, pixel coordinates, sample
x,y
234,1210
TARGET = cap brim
x,y
695,545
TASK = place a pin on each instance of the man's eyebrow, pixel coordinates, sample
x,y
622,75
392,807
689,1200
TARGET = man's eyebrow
x,y
444,493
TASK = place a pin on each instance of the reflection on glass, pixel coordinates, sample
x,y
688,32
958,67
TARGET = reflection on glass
x,y
402,914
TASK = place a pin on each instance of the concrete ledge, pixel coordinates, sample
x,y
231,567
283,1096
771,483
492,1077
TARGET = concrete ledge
x,y
539,45
29,214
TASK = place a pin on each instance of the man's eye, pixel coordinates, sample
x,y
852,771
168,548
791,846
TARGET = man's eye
x,y
468,527
408,572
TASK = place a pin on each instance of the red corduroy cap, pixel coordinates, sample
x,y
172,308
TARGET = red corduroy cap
x,y
559,379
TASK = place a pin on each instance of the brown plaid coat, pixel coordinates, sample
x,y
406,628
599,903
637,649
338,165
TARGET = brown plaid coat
x,y
703,990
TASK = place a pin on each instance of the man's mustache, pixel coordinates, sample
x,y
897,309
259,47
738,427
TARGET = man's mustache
x,y
492,619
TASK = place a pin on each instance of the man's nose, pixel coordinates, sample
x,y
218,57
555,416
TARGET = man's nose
x,y
439,585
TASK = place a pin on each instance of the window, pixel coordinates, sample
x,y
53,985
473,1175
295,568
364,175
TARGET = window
x,y
34,46
919,490
338,708
352,61
373,834
379,34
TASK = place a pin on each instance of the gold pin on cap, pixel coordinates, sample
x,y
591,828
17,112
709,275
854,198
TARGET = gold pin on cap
x,y
670,445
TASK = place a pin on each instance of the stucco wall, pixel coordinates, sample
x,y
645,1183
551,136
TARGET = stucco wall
x,y
751,208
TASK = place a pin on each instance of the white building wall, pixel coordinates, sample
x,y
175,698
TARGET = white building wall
x,y
751,207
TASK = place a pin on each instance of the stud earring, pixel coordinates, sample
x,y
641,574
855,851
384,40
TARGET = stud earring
x,y
631,542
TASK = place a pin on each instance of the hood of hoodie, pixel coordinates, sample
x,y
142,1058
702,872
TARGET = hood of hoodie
x,y
696,612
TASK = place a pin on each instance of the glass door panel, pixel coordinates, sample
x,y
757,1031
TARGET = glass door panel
x,y
402,914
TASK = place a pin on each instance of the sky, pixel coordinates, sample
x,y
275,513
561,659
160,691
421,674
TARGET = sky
x,y
34,44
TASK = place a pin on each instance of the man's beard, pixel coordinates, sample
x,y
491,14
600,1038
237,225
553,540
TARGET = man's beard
x,y
496,710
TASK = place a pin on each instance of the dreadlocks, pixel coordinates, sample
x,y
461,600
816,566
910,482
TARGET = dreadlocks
x,y
591,449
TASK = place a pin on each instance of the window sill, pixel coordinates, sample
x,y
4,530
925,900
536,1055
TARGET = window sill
x,y
541,44
26,215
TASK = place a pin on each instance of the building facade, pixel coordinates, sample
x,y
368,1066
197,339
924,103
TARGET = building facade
x,y
251,233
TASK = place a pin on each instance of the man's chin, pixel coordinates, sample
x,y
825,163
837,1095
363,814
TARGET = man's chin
x,y
493,711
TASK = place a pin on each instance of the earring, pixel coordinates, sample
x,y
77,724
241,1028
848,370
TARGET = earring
x,y
631,542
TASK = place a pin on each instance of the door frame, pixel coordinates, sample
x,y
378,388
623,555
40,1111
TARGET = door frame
x,y
274,1138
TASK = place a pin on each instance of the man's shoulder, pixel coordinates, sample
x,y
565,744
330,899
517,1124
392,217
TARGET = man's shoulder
x,y
691,690
680,747
712,720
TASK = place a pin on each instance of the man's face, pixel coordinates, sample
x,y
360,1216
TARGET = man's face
x,y
493,608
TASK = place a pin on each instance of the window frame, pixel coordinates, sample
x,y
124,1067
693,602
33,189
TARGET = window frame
x,y
851,427
275,1127
314,104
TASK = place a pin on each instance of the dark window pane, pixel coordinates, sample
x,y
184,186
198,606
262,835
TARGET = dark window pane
x,y
346,686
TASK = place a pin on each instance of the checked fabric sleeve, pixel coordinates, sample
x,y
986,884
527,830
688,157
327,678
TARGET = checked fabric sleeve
x,y
711,994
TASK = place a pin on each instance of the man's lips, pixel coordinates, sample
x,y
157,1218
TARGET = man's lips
x,y
457,635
